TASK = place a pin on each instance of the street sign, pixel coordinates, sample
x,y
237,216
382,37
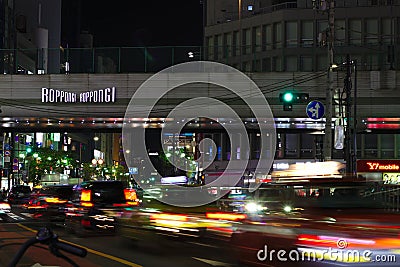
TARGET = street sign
x,y
15,168
133,170
315,110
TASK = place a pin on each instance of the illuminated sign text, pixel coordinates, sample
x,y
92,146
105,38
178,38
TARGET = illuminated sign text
x,y
106,95
378,165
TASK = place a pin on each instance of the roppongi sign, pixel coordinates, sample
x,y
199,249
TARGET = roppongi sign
x,y
50,95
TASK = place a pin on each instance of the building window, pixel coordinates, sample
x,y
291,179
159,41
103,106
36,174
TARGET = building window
x,y
291,63
257,39
278,35
340,32
256,65
267,37
246,41
387,30
397,147
277,64
306,63
246,66
291,145
387,146
322,62
322,28
355,32
371,31
236,43
266,64
307,146
372,62
307,34
291,34
210,48
219,46
228,45
371,146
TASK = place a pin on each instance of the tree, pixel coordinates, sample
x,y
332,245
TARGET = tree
x,y
45,161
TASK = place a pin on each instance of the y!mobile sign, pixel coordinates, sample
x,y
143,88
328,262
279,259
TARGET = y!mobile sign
x,y
106,95
378,165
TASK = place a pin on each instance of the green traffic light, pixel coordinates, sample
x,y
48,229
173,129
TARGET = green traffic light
x,y
288,97
28,150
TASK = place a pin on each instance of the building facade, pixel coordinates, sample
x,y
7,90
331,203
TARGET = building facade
x,y
290,36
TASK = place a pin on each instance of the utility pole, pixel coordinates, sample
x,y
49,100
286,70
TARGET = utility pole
x,y
349,121
329,91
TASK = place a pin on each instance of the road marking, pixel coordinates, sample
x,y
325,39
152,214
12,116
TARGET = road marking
x,y
98,253
15,217
30,215
213,263
204,245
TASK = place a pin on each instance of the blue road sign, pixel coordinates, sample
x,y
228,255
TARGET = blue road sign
x,y
133,170
315,110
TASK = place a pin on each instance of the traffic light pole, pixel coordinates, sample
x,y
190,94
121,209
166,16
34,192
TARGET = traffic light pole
x,y
329,92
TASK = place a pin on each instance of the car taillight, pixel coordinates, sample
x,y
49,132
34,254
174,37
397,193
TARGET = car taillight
x,y
333,241
55,200
130,194
131,197
85,223
225,216
86,197
169,217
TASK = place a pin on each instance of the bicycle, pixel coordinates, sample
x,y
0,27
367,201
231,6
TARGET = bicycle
x,y
47,237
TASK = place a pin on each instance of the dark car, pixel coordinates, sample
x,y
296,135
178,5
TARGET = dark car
x,y
49,202
18,194
95,205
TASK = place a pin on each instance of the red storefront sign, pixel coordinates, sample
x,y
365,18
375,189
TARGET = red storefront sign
x,y
378,165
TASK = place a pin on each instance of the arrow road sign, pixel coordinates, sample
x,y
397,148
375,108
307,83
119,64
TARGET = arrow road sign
x,y
315,110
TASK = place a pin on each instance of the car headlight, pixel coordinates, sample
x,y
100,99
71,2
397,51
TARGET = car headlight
x,y
287,208
253,207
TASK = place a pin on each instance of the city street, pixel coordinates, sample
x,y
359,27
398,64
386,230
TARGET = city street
x,y
113,250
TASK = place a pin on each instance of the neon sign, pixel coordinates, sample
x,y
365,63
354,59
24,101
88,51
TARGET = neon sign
x,y
106,95
378,165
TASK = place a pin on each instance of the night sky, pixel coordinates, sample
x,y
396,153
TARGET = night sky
x,y
143,23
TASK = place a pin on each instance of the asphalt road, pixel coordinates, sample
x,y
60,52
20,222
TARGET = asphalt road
x,y
18,226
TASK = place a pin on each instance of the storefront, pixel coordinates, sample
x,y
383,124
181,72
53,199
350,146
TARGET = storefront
x,y
382,171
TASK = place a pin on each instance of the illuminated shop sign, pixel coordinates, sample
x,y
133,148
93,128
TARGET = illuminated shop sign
x,y
378,165
174,180
106,95
391,178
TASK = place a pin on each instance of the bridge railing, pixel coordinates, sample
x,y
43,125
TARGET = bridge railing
x,y
96,60
154,59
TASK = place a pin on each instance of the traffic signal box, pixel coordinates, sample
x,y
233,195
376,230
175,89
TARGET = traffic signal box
x,y
289,98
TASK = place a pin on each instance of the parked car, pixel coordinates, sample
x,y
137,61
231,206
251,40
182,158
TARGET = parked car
x,y
95,205
49,202
18,194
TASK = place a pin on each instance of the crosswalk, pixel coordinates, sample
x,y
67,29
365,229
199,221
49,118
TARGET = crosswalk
x,y
10,216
